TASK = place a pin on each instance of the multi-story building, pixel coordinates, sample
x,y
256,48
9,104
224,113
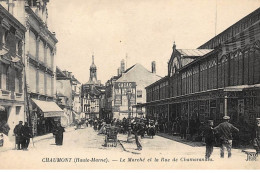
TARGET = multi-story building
x,y
40,67
117,104
221,77
91,94
68,95
76,95
11,72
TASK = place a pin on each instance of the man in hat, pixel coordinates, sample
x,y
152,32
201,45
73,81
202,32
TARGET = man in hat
x,y
225,131
136,131
18,135
26,132
208,133
256,141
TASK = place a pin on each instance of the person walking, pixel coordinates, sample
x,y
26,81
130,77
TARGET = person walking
x,y
136,130
59,134
225,131
208,134
18,135
26,133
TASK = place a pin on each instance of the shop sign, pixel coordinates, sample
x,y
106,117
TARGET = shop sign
x,y
123,85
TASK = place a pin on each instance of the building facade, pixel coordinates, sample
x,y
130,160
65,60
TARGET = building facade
x,y
40,67
11,71
117,105
221,77
91,94
68,95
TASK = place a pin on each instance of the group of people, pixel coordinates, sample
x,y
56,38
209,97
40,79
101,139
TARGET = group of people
x,y
22,133
224,131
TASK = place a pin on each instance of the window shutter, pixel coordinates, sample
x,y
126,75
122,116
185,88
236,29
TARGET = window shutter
x,y
1,67
7,78
20,81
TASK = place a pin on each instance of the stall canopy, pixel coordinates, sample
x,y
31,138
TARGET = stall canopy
x,y
49,109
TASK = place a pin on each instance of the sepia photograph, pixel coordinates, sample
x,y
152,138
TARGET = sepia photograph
x,y
129,84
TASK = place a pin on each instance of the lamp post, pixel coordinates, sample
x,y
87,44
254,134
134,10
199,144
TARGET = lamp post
x,y
129,93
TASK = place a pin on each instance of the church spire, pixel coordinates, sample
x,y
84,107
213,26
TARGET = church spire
x,y
93,71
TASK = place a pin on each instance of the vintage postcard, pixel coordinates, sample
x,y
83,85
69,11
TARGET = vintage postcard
x,y
129,84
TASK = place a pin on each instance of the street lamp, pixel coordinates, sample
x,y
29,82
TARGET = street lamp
x,y
129,94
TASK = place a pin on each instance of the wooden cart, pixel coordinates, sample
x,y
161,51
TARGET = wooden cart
x,y
111,137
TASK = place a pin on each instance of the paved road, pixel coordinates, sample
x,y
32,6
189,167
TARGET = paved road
x,y
82,149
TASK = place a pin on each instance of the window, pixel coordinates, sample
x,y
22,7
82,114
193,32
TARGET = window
x,y
139,93
17,110
41,51
49,58
32,79
4,77
32,3
41,82
17,82
32,44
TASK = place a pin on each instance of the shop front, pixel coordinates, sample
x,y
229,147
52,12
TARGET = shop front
x,y
44,116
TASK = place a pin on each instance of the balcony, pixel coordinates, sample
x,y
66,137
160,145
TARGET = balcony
x,y
5,93
18,95
4,50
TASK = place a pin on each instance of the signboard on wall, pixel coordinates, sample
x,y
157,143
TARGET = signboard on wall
x,y
123,85
121,90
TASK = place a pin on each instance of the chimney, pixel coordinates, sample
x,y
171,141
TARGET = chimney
x,y
122,66
118,72
153,67
69,74
10,6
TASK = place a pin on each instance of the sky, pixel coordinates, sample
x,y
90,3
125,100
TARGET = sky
x,y
143,29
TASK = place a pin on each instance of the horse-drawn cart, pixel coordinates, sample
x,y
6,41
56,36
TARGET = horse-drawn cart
x,y
111,137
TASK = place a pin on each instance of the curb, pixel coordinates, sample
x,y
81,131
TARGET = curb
x,y
39,138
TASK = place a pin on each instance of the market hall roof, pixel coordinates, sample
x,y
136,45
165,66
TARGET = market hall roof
x,y
194,52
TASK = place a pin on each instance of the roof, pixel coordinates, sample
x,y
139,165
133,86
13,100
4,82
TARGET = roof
x,y
194,52
139,74
12,19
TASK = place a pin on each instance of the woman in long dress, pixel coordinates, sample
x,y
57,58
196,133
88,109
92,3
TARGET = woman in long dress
x,y
59,134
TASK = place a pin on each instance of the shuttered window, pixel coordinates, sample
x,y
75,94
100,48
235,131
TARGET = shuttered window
x,y
257,67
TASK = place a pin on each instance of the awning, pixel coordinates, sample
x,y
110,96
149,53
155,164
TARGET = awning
x,y
241,87
50,109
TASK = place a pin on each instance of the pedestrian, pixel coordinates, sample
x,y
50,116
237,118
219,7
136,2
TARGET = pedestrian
x,y
136,131
156,126
18,135
208,134
256,141
26,133
183,127
225,131
86,122
58,132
